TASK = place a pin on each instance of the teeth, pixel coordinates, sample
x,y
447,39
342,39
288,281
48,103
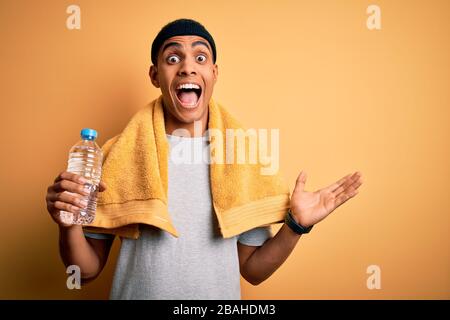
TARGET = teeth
x,y
188,86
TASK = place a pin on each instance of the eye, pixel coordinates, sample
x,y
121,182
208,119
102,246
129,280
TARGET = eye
x,y
173,59
201,58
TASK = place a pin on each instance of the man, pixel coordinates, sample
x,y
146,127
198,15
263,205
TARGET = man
x,y
200,264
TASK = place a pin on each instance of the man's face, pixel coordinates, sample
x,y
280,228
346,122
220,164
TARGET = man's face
x,y
186,74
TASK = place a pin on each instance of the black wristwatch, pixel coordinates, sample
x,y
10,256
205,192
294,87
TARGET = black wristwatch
x,y
298,229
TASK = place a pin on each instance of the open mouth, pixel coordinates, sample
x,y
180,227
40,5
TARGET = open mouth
x,y
188,94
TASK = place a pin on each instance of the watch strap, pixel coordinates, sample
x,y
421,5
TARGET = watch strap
x,y
297,228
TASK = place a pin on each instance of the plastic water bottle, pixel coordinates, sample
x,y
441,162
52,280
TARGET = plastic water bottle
x,y
85,159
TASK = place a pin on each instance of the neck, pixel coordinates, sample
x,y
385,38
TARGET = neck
x,y
195,129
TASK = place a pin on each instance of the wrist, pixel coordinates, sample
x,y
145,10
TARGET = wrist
x,y
70,229
294,225
298,220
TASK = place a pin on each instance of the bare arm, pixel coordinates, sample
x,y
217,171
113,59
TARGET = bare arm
x,y
258,263
308,208
87,253
75,249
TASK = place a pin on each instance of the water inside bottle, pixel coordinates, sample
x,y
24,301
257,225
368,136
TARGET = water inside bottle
x,y
86,216
85,160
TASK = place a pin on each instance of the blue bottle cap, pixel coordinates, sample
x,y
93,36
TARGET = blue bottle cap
x,y
88,134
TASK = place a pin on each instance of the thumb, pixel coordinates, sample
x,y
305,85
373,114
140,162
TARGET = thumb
x,y
300,183
102,186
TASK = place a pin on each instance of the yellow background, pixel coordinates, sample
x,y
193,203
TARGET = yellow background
x,y
344,98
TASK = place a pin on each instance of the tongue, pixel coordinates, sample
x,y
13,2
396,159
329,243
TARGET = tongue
x,y
188,97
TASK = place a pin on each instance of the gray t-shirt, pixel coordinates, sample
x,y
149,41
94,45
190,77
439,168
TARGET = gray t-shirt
x,y
200,263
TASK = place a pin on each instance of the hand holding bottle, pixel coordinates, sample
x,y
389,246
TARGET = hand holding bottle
x,y
67,194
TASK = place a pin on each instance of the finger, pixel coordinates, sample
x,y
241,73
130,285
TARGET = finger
x,y
65,175
350,179
345,197
64,206
355,185
69,197
350,187
338,183
66,185
102,186
62,218
300,183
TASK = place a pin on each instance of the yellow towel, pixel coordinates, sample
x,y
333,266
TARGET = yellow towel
x,y
135,172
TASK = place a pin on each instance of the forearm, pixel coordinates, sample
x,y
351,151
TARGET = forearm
x,y
76,250
270,256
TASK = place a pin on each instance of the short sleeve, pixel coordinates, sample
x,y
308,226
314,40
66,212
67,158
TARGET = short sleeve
x,y
99,236
255,237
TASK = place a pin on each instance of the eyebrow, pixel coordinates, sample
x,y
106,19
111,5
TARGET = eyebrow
x,y
194,44
200,43
171,44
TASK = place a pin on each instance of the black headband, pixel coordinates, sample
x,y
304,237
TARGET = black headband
x,y
181,27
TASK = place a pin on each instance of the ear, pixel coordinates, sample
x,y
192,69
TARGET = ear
x,y
215,73
153,73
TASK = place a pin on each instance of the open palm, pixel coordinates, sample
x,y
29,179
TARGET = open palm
x,y
308,208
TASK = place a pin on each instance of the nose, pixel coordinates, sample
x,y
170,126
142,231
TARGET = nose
x,y
187,68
